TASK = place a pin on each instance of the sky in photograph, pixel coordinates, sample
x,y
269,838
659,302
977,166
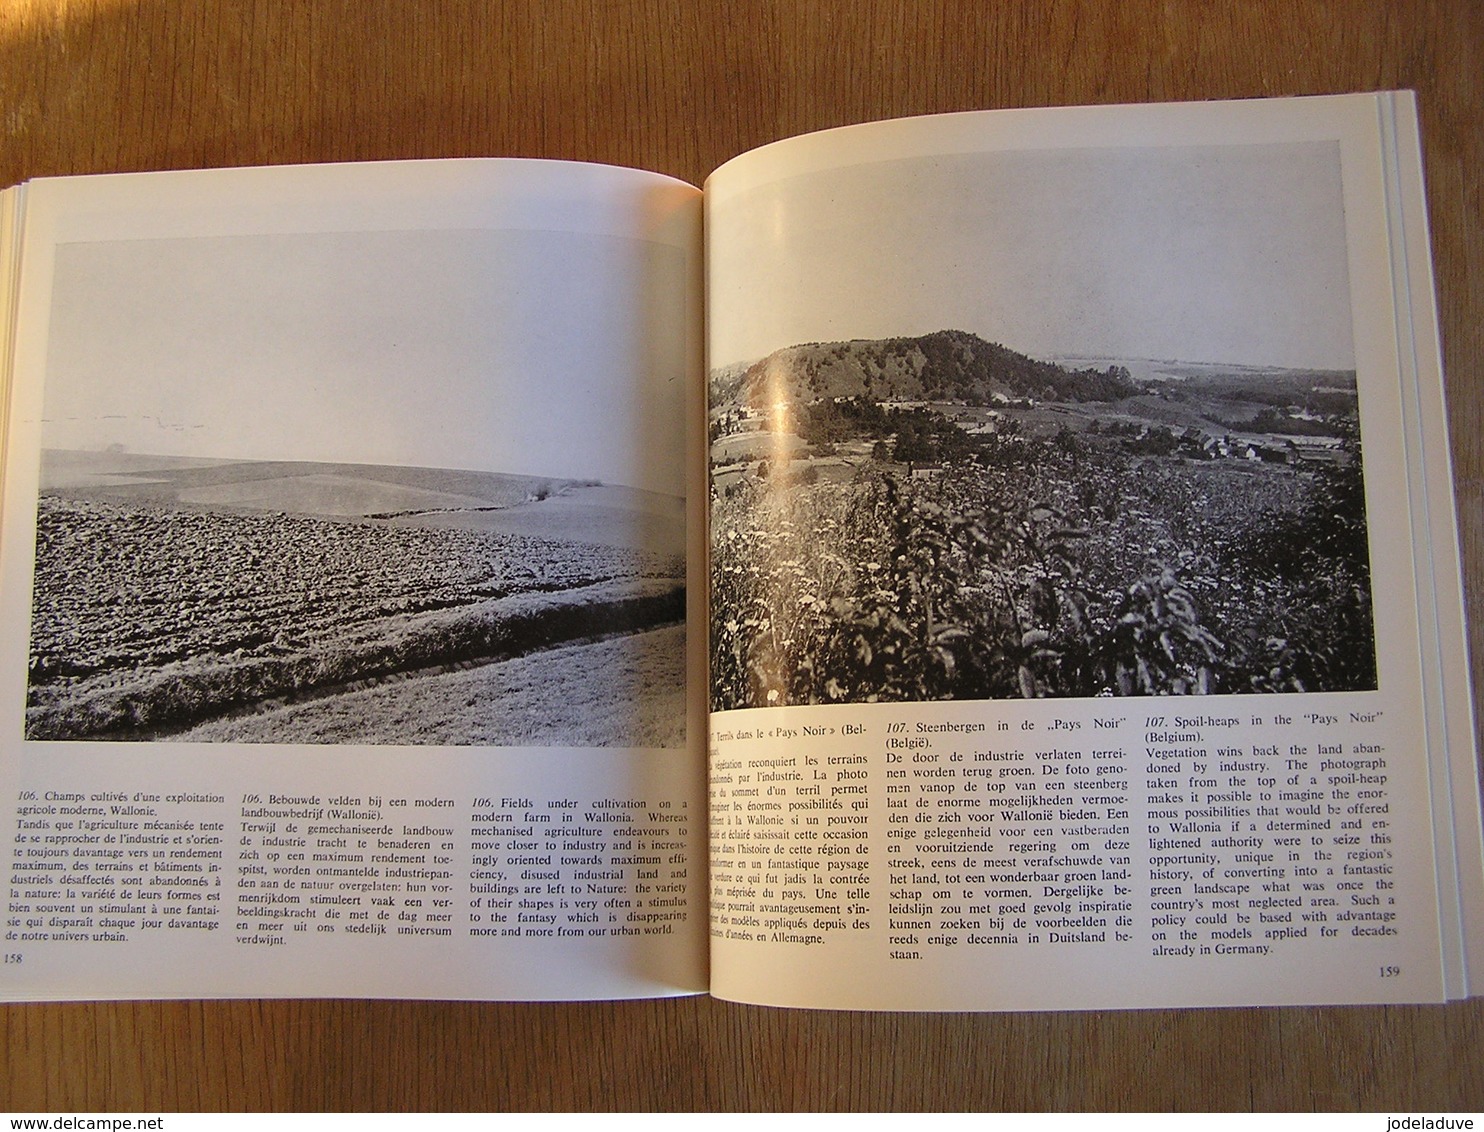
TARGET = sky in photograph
x,y
1213,253
543,353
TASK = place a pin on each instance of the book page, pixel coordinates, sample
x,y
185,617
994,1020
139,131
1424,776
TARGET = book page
x,y
345,585
1076,634
10,210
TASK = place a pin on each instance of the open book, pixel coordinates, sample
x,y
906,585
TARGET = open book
x,y
992,561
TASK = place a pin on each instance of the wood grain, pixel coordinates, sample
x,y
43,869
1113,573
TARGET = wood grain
x,y
92,86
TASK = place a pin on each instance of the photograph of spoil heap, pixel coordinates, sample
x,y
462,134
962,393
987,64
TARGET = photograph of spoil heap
x,y
1098,436
980,525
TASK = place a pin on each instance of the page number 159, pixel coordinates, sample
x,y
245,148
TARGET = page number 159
x,y
1389,972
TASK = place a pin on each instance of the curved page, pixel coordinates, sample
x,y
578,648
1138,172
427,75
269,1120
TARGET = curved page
x,y
344,566
1058,472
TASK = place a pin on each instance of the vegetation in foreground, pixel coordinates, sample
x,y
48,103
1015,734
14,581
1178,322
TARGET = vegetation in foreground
x,y
884,551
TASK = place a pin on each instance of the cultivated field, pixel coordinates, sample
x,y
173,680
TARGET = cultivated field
x,y
169,592
542,699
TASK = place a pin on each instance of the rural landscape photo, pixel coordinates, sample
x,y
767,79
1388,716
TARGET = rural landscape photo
x,y
254,601
1060,423
408,487
943,518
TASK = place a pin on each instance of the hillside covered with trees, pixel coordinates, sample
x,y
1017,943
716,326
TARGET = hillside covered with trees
x,y
941,366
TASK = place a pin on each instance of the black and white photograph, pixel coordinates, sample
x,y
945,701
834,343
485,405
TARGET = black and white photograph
x,y
391,487
1053,423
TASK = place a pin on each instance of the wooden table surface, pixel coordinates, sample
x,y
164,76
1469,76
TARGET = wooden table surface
x,y
89,86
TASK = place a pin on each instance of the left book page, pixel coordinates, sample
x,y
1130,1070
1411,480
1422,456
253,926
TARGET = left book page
x,y
343,584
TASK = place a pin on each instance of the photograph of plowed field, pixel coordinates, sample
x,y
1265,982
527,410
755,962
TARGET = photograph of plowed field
x,y
256,601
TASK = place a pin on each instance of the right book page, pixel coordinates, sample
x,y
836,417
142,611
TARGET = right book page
x,y
1086,626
